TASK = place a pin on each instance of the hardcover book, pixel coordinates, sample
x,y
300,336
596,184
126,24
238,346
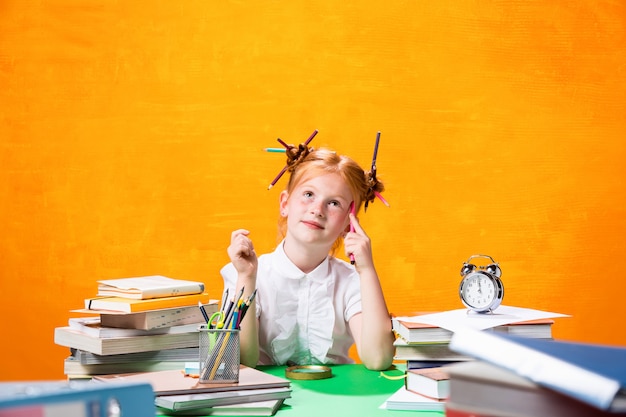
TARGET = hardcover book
x,y
406,400
92,327
414,332
592,373
261,408
213,399
74,369
431,382
153,319
142,288
166,355
480,389
177,383
129,305
65,336
68,398
426,351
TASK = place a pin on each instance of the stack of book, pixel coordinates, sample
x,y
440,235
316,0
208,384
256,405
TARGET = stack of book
x,y
522,377
135,325
424,389
178,393
424,347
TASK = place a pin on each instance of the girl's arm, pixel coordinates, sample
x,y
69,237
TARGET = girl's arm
x,y
372,327
244,259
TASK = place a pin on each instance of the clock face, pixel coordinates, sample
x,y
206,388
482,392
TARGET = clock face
x,y
478,291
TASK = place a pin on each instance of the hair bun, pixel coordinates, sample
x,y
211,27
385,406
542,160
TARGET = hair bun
x,y
373,186
295,155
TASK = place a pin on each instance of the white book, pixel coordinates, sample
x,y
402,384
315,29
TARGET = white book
x,y
154,286
406,400
65,336
166,355
92,327
212,399
261,408
73,368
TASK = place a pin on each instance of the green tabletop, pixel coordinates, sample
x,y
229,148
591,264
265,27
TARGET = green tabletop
x,y
353,390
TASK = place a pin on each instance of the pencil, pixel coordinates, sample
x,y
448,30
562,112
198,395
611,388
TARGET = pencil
x,y
280,174
224,300
282,142
233,306
380,197
373,170
282,171
353,211
203,311
216,364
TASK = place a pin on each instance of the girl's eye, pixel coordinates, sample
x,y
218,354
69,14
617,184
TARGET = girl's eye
x,y
308,194
335,203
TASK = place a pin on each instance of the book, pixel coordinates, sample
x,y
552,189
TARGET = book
x,y
65,336
156,319
592,373
406,400
463,318
425,352
177,383
430,382
536,329
414,332
92,327
480,389
213,399
165,355
261,408
72,367
66,398
153,286
417,364
129,305
453,410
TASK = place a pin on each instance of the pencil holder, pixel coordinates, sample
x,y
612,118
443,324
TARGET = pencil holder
x,y
219,355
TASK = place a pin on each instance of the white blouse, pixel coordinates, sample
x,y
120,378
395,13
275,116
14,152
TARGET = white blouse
x,y
303,317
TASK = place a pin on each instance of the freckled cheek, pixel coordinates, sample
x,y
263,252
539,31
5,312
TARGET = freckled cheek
x,y
339,218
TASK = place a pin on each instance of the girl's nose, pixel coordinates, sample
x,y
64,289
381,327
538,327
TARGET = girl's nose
x,y
317,209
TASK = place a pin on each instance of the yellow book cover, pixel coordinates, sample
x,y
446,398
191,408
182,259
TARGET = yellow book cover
x,y
129,305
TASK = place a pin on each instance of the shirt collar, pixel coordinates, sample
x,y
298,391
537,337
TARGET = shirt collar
x,y
287,268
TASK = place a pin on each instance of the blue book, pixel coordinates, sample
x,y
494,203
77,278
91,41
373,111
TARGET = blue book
x,y
592,373
76,399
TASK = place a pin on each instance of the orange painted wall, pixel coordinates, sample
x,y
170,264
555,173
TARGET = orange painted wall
x,y
131,137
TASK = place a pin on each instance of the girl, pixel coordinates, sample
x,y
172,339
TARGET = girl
x,y
311,306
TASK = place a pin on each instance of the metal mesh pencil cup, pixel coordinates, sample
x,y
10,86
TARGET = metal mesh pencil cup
x,y
219,355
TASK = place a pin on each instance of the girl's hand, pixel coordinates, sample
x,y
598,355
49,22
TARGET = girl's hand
x,y
358,244
241,252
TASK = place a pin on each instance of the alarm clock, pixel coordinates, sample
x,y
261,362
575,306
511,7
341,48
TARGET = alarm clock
x,y
481,288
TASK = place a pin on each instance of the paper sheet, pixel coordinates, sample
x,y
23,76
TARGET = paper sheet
x,y
462,318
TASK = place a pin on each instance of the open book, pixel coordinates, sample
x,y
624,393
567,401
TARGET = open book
x,y
154,286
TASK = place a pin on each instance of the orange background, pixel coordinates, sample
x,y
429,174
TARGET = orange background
x,y
132,136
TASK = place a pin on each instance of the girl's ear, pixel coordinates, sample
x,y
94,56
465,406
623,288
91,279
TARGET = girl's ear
x,y
282,203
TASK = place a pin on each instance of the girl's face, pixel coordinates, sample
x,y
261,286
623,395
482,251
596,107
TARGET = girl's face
x,y
317,209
